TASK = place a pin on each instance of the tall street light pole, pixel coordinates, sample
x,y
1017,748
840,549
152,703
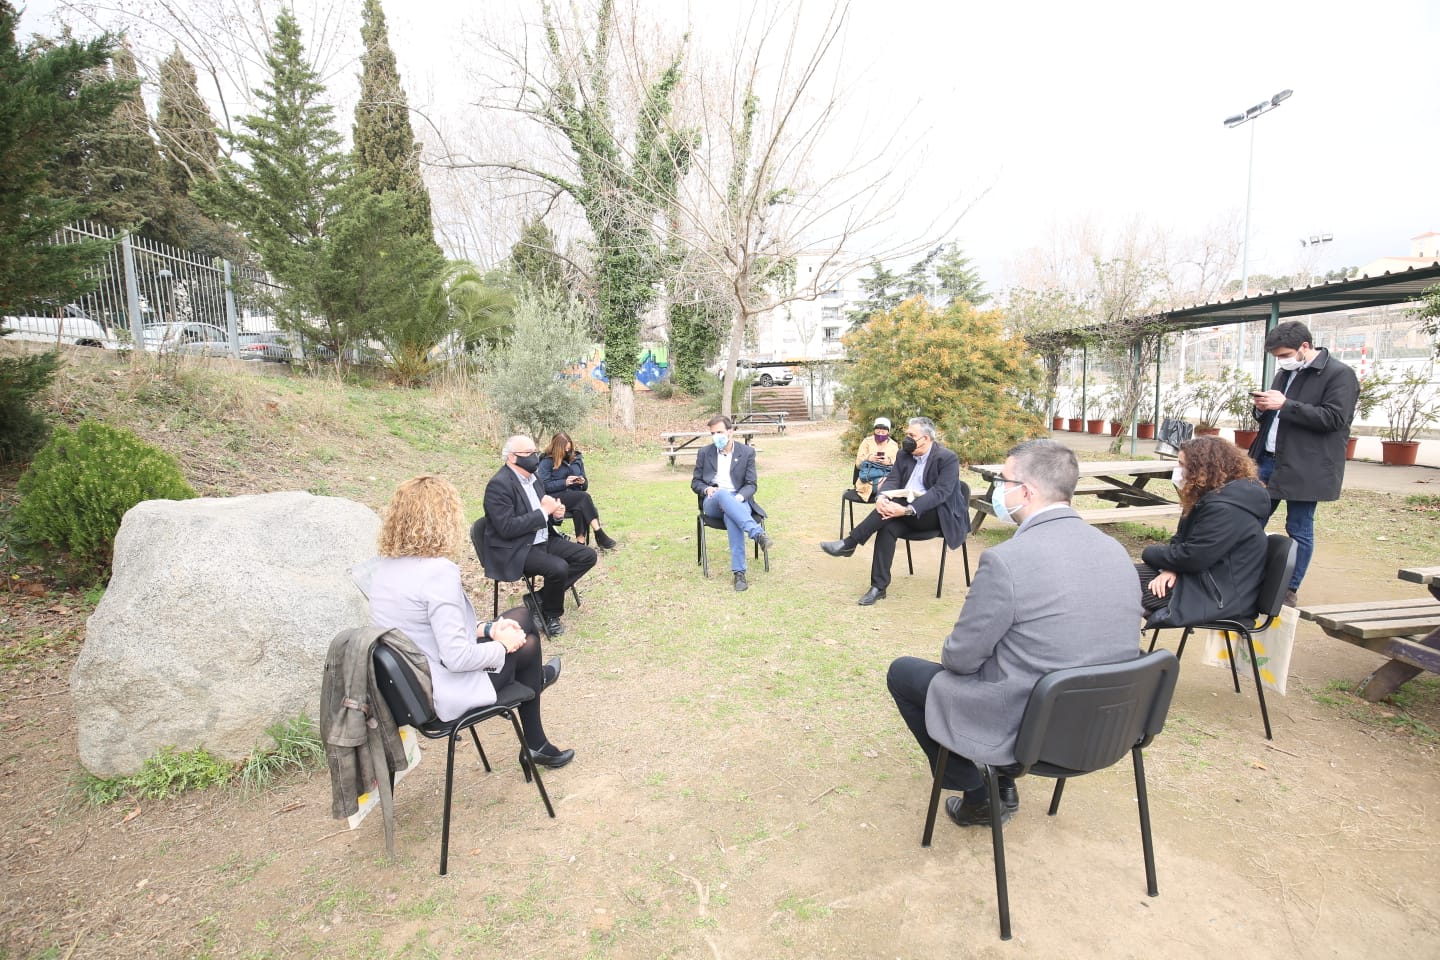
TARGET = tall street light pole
x,y
1253,113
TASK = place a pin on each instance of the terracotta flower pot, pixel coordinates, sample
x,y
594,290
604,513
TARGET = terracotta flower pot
x,y
1145,431
1057,423
1096,426
1350,448
1243,438
1115,426
1207,431
1076,425
1399,453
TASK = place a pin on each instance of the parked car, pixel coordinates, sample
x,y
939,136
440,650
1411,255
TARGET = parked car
x,y
192,338
267,347
73,328
765,376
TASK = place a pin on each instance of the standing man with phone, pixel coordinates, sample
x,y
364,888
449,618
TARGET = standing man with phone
x,y
922,492
1305,420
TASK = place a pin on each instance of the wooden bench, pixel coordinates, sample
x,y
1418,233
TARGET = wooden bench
x,y
680,443
775,417
1405,631
1123,514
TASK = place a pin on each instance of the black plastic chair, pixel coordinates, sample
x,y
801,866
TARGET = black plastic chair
x,y
917,537
409,705
1279,567
1078,721
850,497
477,540
703,523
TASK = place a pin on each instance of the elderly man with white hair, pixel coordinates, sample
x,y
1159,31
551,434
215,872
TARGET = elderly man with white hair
x,y
519,540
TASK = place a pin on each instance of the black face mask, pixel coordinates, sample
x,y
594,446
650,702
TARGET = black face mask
x,y
908,444
529,462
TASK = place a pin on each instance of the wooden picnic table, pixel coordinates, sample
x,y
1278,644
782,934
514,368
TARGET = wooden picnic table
x,y
683,442
1405,631
775,417
1121,482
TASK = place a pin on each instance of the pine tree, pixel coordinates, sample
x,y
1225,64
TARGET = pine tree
x,y
385,149
882,292
44,104
959,280
287,198
535,261
184,126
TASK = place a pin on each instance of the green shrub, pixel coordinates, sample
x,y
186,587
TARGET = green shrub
x,y
22,430
297,748
82,482
525,382
167,774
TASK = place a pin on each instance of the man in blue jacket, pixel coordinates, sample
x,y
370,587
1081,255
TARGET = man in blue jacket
x,y
1305,420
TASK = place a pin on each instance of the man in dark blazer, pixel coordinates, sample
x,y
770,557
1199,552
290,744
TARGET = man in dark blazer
x,y
922,493
725,479
518,539
1057,594
1304,422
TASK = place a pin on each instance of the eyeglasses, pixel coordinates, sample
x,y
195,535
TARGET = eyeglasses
x,y
1001,478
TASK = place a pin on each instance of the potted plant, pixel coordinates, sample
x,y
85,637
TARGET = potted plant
x,y
1374,390
1410,406
1207,395
1077,421
1240,405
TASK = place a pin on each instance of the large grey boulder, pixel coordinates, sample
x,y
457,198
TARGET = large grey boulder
x,y
216,623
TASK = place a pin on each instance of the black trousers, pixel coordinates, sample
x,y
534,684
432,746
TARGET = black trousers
x,y
526,666
581,507
561,563
886,532
909,682
1148,600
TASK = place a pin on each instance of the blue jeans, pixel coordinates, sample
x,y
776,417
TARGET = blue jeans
x,y
1299,522
739,523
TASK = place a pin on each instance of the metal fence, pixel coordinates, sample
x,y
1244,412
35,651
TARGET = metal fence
x,y
143,286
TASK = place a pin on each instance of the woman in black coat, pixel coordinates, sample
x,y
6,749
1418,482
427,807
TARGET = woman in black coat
x,y
1214,565
562,474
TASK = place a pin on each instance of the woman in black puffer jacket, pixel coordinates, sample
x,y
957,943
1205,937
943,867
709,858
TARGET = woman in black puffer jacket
x,y
1213,566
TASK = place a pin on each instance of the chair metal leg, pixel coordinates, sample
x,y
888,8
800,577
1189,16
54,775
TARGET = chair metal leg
x,y
1230,656
935,795
575,593
965,555
843,502
997,840
1146,841
1259,687
449,789
535,605
852,518
1180,650
495,614
1055,796
703,558
1154,635
940,581
527,766
909,561
483,759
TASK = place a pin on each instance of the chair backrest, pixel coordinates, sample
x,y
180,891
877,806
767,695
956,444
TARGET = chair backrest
x,y
1085,718
477,540
1279,567
408,702
1173,432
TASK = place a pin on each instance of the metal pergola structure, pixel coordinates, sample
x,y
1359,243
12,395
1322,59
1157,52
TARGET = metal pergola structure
x,y
1384,289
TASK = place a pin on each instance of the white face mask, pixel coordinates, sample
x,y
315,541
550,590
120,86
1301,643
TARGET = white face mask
x,y
1177,477
1291,363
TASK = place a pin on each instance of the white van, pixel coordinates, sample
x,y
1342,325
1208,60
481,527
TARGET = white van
x,y
74,329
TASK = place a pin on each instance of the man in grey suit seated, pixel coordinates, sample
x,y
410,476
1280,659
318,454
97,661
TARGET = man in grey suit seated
x,y
1055,595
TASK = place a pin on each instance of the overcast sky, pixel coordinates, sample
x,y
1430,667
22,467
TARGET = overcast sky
x,y
1061,111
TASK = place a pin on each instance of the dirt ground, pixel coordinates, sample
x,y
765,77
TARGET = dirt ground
x,y
747,791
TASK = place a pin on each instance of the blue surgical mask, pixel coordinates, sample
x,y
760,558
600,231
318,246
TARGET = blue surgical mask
x,y
721,440
997,503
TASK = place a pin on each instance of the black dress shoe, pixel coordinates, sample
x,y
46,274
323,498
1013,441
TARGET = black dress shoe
x,y
741,584
551,672
1010,797
765,542
871,595
974,814
603,540
553,626
548,756
837,548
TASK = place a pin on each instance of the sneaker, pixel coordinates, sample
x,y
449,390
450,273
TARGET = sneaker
x,y
765,542
1291,599
741,584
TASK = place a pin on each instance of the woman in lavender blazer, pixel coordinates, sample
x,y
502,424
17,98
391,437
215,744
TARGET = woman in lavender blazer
x,y
416,587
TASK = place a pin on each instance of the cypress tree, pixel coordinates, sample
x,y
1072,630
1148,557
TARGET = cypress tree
x,y
184,126
385,149
44,104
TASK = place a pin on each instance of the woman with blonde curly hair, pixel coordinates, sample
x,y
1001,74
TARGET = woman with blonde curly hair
x,y
1214,564
415,586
